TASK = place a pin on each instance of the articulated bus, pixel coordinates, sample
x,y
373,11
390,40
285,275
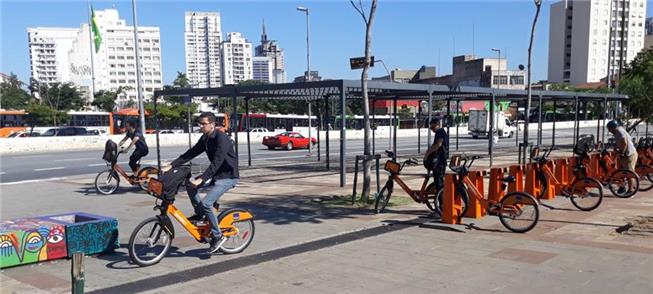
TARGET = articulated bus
x,y
111,122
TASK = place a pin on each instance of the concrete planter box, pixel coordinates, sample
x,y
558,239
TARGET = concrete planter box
x,y
31,240
88,233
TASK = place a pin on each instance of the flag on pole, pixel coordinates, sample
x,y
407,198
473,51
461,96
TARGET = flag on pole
x,y
97,39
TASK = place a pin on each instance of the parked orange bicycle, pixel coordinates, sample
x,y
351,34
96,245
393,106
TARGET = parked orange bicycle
x,y
426,194
585,193
151,239
644,160
108,180
623,183
517,211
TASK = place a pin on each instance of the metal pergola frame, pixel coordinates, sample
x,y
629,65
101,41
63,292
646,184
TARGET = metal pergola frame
x,y
378,90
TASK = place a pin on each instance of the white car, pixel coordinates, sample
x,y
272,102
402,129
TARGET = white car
x,y
259,130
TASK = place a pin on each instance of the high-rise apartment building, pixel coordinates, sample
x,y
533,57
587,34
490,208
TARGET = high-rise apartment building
x,y
236,59
585,38
65,54
262,69
270,49
202,39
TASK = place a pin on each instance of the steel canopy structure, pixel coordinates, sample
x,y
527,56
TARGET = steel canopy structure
x,y
342,90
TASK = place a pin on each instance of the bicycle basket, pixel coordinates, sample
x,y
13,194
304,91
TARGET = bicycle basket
x,y
155,188
392,167
584,145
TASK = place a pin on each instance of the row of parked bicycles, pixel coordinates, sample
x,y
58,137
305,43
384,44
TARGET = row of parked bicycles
x,y
595,166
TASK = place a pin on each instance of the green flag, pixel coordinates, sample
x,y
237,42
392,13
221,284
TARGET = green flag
x,y
97,39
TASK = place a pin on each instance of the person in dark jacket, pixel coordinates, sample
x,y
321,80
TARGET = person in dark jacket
x,y
138,140
223,169
436,157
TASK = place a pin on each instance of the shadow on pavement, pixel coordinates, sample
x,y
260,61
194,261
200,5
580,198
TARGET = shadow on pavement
x,y
89,190
120,259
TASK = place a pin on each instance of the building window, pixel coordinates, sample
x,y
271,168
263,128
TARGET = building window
x,y
516,80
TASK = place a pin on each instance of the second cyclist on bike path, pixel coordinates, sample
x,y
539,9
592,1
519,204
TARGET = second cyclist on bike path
x,y
223,169
138,140
436,157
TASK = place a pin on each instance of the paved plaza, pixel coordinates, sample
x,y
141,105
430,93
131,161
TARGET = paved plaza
x,y
307,242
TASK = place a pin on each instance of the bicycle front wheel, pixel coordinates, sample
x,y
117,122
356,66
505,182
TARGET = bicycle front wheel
x,y
519,212
383,197
149,242
107,182
244,232
586,194
623,183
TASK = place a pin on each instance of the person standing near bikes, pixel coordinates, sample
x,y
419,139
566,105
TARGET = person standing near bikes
x,y
625,148
223,169
435,158
138,140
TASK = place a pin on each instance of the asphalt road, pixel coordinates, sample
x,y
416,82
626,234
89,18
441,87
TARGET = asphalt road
x,y
29,168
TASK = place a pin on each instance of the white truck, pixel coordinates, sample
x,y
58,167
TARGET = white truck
x,y
479,124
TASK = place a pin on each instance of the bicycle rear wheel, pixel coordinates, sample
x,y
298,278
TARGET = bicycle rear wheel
x,y
149,242
145,175
245,232
519,212
623,183
586,194
431,197
107,182
383,197
645,177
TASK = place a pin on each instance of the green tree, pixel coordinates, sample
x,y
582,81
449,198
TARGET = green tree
x,y
106,100
43,115
637,83
181,81
12,95
171,116
61,97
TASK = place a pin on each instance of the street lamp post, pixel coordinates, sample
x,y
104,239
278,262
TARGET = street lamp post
x,y
538,4
498,65
307,77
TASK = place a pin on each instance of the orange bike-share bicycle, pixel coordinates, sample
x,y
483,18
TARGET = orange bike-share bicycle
x,y
586,193
644,160
151,239
108,180
517,211
426,194
623,183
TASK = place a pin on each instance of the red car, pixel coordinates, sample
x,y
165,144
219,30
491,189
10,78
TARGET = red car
x,y
287,140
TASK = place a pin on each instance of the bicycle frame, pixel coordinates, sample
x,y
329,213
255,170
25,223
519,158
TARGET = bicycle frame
x,y
201,231
417,195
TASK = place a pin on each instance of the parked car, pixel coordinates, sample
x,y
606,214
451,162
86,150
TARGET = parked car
x,y
258,130
96,132
287,140
21,134
65,131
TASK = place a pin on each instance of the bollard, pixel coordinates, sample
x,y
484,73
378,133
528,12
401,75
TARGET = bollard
x,y
77,273
560,172
449,210
550,192
531,181
495,193
475,208
517,171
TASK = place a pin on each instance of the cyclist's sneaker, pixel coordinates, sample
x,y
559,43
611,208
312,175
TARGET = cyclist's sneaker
x,y
196,218
216,243
621,190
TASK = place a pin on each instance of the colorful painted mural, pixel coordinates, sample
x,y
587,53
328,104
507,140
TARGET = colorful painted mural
x,y
89,233
30,240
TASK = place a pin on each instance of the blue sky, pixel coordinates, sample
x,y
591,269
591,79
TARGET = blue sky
x,y
406,34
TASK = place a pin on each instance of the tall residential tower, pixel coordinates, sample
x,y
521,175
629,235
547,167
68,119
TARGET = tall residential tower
x,y
202,39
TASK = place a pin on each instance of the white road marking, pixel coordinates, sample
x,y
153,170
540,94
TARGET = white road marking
x,y
97,164
3,173
75,159
32,181
49,168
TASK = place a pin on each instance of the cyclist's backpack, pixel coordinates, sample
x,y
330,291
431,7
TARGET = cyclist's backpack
x,y
110,151
173,179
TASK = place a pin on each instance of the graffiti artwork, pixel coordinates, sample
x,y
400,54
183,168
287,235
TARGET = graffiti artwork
x,y
88,233
30,240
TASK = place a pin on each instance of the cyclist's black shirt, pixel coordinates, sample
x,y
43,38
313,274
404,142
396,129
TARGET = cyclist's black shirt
x,y
140,144
443,152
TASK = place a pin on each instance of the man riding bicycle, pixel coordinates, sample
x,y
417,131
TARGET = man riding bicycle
x,y
223,169
137,139
436,157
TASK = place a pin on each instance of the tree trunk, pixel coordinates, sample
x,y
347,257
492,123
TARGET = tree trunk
x,y
366,108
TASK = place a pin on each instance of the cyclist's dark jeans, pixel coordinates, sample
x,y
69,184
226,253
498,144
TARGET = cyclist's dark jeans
x,y
135,157
438,175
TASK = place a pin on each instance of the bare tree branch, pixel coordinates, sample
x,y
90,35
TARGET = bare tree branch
x,y
360,10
